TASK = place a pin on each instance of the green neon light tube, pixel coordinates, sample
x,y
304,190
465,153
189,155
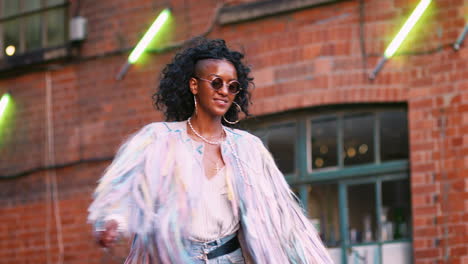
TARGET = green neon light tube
x,y
149,35
409,24
4,103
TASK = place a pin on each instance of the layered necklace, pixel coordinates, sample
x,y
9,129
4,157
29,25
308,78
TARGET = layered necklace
x,y
202,137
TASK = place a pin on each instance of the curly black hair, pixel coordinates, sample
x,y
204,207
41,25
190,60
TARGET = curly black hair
x,y
174,97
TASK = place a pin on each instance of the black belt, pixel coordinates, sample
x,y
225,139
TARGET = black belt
x,y
226,248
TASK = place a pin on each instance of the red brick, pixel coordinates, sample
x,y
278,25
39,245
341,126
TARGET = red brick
x,y
458,251
426,253
425,210
93,112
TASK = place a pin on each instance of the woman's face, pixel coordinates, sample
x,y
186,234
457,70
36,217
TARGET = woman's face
x,y
212,102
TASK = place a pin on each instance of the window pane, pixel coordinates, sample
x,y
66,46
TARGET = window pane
x,y
10,7
401,253
30,5
11,36
396,210
324,144
33,32
281,143
361,213
55,2
393,136
56,27
324,212
358,136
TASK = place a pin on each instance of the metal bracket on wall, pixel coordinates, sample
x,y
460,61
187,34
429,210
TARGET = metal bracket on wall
x,y
378,68
461,38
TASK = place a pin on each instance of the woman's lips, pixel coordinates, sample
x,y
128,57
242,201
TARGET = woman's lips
x,y
220,102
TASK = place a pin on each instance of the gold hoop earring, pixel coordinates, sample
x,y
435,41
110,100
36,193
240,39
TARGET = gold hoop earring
x,y
237,121
196,109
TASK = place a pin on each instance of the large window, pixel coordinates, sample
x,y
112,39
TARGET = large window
x,y
348,139
31,25
350,170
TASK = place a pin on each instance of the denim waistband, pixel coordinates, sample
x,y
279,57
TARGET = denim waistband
x,y
215,242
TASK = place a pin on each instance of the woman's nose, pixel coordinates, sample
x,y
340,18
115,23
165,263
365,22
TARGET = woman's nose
x,y
224,90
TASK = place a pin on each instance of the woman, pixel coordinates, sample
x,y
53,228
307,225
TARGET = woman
x,y
185,189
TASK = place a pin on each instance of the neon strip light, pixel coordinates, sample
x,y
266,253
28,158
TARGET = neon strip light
x,y
409,24
4,103
149,35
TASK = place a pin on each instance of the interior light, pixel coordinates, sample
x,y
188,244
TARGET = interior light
x,y
351,152
363,149
149,35
324,149
319,162
10,50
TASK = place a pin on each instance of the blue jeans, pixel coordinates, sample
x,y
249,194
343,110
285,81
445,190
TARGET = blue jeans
x,y
197,250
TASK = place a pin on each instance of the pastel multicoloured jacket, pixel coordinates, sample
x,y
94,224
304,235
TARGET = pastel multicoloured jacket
x,y
154,180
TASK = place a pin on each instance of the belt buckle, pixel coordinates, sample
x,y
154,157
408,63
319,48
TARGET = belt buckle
x,y
203,256
212,243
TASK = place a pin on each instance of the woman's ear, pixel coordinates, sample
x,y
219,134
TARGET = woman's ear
x,y
193,84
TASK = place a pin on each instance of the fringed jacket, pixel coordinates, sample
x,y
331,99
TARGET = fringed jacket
x,y
154,181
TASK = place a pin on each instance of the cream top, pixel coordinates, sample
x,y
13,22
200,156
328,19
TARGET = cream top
x,y
213,217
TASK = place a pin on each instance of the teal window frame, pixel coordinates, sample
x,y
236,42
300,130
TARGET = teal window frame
x,y
304,175
342,194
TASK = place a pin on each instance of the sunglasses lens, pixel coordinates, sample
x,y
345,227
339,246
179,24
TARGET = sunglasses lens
x,y
217,83
234,87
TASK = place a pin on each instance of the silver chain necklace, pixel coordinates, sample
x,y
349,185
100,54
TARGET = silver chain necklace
x,y
200,136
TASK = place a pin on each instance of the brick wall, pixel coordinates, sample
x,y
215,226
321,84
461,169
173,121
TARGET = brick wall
x,y
300,59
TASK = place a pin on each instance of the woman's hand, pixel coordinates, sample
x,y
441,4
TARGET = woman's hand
x,y
109,235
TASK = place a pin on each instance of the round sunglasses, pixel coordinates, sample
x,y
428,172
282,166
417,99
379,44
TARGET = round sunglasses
x,y
217,83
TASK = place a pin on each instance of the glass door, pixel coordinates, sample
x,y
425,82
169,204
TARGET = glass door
x,y
362,224
375,220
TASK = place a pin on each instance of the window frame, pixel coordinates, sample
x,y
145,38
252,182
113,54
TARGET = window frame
x,y
376,172
342,171
343,211
45,53
302,118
